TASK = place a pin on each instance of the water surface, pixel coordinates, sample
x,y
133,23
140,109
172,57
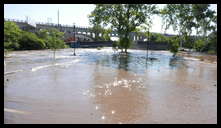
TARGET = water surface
x,y
101,86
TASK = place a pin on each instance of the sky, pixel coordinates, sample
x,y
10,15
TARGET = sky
x,y
69,14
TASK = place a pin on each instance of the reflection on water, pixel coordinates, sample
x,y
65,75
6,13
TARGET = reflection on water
x,y
100,86
122,99
122,61
178,62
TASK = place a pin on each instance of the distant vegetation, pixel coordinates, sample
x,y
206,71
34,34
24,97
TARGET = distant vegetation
x,y
183,18
17,39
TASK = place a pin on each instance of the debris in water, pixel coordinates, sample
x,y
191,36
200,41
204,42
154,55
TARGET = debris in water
x,y
96,107
112,112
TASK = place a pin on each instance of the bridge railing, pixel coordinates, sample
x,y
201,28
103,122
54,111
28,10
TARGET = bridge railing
x,y
14,20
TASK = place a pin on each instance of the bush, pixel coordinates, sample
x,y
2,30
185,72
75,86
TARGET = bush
x,y
212,42
188,42
174,45
199,45
29,41
52,38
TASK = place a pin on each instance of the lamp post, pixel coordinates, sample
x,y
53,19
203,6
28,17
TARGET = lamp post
x,y
148,39
74,40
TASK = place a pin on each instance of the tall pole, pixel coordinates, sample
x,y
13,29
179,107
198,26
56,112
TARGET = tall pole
x,y
58,18
74,41
27,19
148,39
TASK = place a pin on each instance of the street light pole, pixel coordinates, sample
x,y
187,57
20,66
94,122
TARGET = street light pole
x,y
148,39
74,41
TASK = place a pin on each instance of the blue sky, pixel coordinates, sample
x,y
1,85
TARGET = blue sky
x,y
69,14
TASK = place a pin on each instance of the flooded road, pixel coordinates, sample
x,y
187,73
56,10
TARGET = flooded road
x,y
100,86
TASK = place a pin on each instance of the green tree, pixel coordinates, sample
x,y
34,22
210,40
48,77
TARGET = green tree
x,y
203,18
54,39
180,18
44,35
185,17
12,34
199,45
123,18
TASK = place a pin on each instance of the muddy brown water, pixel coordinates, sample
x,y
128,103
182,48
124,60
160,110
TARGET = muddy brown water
x,y
99,86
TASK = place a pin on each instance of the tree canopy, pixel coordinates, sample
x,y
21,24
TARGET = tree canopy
x,y
123,18
12,34
184,18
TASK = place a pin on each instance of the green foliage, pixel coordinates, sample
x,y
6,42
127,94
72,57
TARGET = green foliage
x,y
174,45
52,38
153,37
124,43
211,52
123,18
204,17
199,45
97,29
208,44
16,39
184,17
188,41
12,34
44,35
115,45
106,33
212,42
29,41
161,38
